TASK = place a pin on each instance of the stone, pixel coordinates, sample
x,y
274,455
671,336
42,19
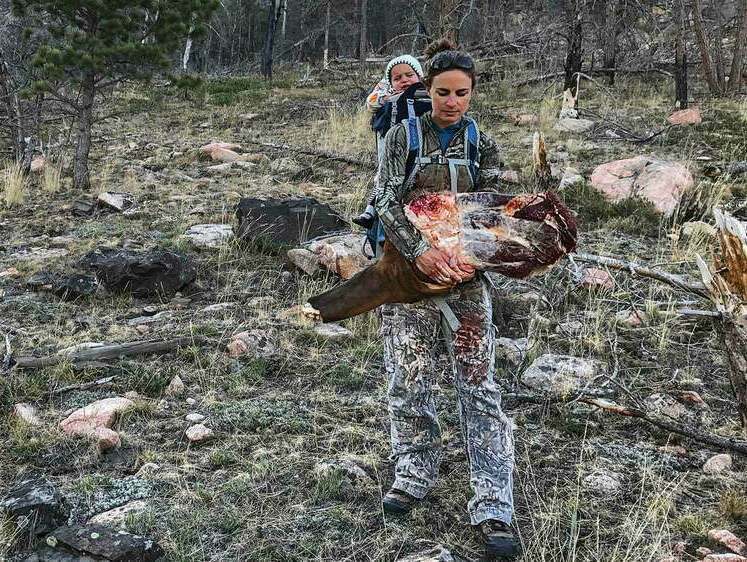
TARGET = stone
x,y
221,151
510,176
219,169
666,405
341,254
38,163
568,112
717,464
729,540
117,518
95,421
702,551
117,201
689,116
105,543
346,466
260,159
10,272
190,401
39,255
244,165
286,165
512,350
247,116
728,557
436,554
571,178
658,181
144,274
692,397
525,119
219,307
148,469
67,287
35,505
595,278
570,125
209,235
256,343
603,482
561,375
287,222
176,387
26,414
737,168
677,450
195,418
305,260
199,433
333,332
630,318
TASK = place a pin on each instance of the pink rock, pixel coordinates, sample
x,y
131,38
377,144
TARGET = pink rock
x,y
510,176
27,414
657,181
525,119
689,116
703,551
692,397
729,540
724,558
673,450
38,164
10,272
95,421
221,151
631,318
253,342
198,433
717,464
593,277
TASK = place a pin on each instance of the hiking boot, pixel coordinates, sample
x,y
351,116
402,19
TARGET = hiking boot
x,y
397,502
500,541
365,220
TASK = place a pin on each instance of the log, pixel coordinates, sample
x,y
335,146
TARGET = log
x,y
368,164
111,351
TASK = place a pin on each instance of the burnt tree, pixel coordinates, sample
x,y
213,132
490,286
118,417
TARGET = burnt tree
x,y
680,57
574,52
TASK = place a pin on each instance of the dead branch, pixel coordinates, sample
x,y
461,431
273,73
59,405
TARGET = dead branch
x,y
82,386
369,164
633,268
112,351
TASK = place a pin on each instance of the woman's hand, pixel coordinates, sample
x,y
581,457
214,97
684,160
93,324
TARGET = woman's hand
x,y
444,267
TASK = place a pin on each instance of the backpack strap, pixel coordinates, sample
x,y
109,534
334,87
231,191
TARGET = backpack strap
x,y
414,140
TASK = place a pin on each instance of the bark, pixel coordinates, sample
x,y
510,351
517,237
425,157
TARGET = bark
x,y
326,35
680,65
363,45
187,50
284,21
726,281
9,98
272,19
740,44
448,19
705,55
573,56
81,177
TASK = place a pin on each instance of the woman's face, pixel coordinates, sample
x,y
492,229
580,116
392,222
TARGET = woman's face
x,y
451,92
403,76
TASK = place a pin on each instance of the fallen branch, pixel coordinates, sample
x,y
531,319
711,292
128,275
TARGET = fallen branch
x,y
112,351
370,164
82,386
633,268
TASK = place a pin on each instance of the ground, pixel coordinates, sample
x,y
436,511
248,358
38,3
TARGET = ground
x,y
258,491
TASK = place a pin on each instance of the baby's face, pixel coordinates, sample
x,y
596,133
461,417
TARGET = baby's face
x,y
403,76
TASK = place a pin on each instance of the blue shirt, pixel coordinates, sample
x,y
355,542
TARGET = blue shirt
x,y
446,135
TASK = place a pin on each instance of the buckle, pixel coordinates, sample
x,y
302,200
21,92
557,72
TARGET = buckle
x,y
439,159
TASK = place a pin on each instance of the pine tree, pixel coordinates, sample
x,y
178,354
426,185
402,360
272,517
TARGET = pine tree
x,y
89,45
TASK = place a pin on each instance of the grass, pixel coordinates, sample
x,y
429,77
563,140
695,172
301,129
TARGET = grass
x,y
51,179
15,184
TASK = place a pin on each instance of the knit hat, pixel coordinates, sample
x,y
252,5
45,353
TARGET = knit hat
x,y
403,59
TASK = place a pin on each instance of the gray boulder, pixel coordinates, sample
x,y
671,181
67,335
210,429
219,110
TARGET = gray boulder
x,y
35,505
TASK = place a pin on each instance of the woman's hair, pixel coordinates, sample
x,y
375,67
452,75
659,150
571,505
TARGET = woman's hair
x,y
443,55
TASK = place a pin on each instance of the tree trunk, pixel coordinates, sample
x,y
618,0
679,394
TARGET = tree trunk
x,y
737,61
187,49
12,108
726,281
705,54
680,58
272,19
449,20
611,27
363,45
81,177
574,54
284,20
326,35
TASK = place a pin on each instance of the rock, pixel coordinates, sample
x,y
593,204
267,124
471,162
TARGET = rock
x,y
657,181
247,116
703,551
80,208
568,113
525,119
305,260
219,307
333,332
219,150
148,469
436,554
219,168
689,116
665,405
286,165
95,421
244,165
195,418
38,163
570,328
729,540
692,397
512,350
106,543
510,176
677,450
738,168
571,178
561,375
35,505
257,343
27,414
630,318
209,235
717,464
176,387
10,272
117,201
145,274
260,159
140,320
346,466
724,558
569,125
67,287
603,482
117,517
190,401
198,433
39,255
341,254
593,277
287,222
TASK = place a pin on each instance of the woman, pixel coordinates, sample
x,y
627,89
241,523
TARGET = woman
x,y
411,331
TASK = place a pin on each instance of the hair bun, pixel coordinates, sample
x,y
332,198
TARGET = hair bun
x,y
438,46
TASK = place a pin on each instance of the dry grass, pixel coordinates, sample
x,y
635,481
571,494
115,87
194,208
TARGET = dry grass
x,y
15,184
51,180
348,132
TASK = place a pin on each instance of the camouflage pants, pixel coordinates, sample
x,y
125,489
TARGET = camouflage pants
x,y
411,335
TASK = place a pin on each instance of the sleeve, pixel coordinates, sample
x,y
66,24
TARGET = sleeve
x,y
397,227
375,99
489,176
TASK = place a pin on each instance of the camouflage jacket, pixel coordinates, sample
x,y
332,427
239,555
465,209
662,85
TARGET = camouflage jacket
x,y
393,192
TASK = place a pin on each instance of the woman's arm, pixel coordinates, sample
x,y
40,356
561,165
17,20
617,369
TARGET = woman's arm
x,y
489,176
399,230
